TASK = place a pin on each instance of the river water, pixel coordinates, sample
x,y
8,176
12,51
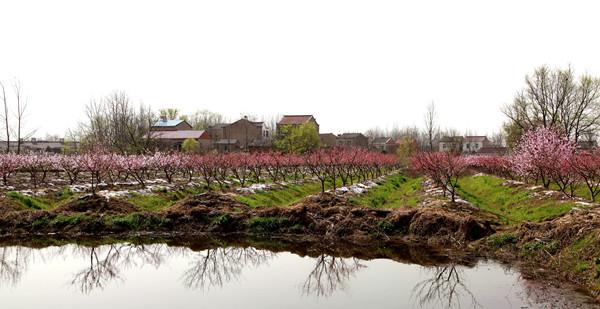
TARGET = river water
x,y
126,275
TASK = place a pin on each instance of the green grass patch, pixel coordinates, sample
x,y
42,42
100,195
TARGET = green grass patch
x,y
221,220
281,197
29,201
513,205
580,244
64,220
63,195
267,224
394,191
389,228
502,240
137,221
150,202
161,199
582,266
580,191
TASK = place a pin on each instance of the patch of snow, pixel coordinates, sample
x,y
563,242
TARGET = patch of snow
x,y
253,188
113,194
511,182
157,181
342,190
357,189
126,183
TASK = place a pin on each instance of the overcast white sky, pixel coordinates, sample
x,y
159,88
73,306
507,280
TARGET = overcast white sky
x,y
353,64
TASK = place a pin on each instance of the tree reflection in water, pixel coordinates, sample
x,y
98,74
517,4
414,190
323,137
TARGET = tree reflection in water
x,y
445,287
329,275
107,262
215,267
13,263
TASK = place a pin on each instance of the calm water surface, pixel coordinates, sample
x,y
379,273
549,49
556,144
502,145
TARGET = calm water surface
x,y
160,276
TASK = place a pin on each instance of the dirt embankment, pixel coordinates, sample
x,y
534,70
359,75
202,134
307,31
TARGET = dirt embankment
x,y
565,248
326,216
97,205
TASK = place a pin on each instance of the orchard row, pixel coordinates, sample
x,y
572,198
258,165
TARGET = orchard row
x,y
541,156
345,165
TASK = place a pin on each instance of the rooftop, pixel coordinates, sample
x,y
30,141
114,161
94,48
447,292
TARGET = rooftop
x,y
350,135
218,125
475,139
167,122
180,134
295,119
451,139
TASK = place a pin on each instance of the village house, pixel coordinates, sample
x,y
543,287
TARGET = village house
x,y
245,132
240,135
226,145
327,140
34,145
384,144
586,145
171,133
170,139
164,124
493,150
352,140
216,131
295,121
451,143
473,144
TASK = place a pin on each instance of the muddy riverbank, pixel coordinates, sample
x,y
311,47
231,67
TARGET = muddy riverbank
x,y
564,249
326,216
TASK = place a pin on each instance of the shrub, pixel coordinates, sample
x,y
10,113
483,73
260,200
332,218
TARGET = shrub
x,y
62,220
386,227
222,220
502,240
267,224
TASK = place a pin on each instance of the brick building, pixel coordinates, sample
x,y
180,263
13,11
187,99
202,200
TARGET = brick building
x,y
352,140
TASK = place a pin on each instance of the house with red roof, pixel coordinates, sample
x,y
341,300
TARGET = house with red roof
x,y
173,139
296,120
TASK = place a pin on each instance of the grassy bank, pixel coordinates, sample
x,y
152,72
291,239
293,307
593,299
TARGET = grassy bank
x,y
284,196
47,202
513,204
395,191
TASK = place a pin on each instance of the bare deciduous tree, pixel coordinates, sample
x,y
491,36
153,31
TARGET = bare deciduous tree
x,y
5,116
431,126
203,119
169,113
558,100
116,124
20,115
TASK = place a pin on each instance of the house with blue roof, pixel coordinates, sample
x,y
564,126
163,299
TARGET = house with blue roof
x,y
164,124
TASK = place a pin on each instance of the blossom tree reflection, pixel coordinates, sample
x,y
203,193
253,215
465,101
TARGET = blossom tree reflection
x,y
330,274
215,267
13,263
445,288
107,262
